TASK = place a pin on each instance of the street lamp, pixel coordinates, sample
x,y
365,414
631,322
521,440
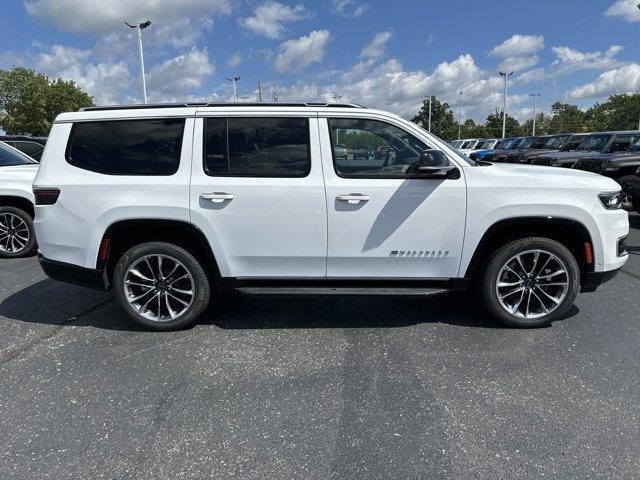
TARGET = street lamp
x,y
535,97
504,103
459,115
235,93
139,27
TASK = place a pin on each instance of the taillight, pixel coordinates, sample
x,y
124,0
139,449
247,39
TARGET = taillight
x,y
46,196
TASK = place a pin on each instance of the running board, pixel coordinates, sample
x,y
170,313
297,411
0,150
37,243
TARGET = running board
x,y
341,291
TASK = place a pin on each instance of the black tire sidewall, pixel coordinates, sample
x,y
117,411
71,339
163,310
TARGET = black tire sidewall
x,y
31,244
628,182
507,251
200,279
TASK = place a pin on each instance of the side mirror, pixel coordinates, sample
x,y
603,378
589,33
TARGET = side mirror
x,y
435,164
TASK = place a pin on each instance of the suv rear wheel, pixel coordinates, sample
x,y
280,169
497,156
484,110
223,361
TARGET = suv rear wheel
x,y
161,286
16,233
530,282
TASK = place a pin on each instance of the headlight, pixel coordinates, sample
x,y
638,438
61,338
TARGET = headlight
x,y
611,200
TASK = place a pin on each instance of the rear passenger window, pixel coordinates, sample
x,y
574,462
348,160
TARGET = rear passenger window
x,y
257,147
127,147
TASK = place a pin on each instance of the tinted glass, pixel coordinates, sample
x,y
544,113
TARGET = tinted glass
x,y
372,148
127,147
621,143
257,147
10,157
594,143
33,149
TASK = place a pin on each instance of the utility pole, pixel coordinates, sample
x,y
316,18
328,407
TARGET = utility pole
x,y
459,115
336,98
235,93
139,27
259,91
429,128
535,97
504,103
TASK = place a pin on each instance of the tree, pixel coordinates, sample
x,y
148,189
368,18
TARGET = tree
x,y
619,112
494,125
443,123
567,118
542,125
30,101
472,130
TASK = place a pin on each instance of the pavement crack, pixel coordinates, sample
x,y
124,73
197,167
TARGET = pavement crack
x,y
14,353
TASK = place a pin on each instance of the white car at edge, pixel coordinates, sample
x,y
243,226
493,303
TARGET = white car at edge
x,y
17,172
169,205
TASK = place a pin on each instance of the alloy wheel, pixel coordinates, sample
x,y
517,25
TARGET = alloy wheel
x,y
14,233
532,284
159,287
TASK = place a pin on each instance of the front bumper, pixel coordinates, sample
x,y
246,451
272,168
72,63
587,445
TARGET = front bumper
x,y
67,272
592,280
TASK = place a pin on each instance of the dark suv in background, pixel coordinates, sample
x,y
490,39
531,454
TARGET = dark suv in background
x,y
32,146
539,146
623,167
592,144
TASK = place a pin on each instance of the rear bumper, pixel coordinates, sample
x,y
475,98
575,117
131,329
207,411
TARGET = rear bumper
x,y
67,272
592,280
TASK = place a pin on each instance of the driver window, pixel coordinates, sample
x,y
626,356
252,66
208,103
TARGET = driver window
x,y
370,148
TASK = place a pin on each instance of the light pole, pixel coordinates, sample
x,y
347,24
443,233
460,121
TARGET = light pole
x,y
535,97
429,128
504,103
459,115
140,27
235,93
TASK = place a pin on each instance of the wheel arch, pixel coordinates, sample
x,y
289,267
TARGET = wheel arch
x,y
571,233
18,202
124,234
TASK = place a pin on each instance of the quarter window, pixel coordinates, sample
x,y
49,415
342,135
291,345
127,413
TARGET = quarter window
x,y
127,147
257,147
370,148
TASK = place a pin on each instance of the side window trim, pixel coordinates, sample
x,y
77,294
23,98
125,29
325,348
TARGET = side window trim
x,y
227,150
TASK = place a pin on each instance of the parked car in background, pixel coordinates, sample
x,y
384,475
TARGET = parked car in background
x,y
499,156
487,144
32,146
623,167
469,145
189,200
592,144
17,172
503,144
456,143
544,144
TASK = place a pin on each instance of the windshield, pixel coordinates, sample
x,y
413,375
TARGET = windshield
x,y
538,142
593,143
487,144
526,142
456,143
10,157
554,143
517,143
635,146
469,144
573,143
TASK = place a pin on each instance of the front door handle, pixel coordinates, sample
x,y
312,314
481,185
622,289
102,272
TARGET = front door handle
x,y
217,197
354,198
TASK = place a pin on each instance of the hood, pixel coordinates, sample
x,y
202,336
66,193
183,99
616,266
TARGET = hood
x,y
550,176
19,172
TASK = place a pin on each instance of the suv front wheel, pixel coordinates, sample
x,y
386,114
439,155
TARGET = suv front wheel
x,y
530,282
161,286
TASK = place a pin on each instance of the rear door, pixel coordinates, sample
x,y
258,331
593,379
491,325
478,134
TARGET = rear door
x,y
257,192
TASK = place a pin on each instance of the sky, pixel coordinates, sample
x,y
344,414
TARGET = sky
x,y
382,54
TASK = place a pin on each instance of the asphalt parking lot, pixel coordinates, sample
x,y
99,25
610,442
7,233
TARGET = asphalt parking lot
x,y
310,387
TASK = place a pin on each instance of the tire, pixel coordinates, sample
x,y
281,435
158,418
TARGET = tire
x,y
164,306
15,223
541,309
627,183
636,203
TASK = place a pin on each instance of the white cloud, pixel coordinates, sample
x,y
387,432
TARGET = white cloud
x,y
269,18
530,76
375,48
518,45
235,59
296,55
626,9
516,64
349,8
103,81
620,80
179,74
570,60
102,16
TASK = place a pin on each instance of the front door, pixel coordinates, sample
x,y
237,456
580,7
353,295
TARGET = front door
x,y
257,194
384,220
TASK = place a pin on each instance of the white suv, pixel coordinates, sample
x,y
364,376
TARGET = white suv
x,y
172,204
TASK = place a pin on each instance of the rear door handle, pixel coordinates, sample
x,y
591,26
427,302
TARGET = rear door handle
x,y
354,198
217,197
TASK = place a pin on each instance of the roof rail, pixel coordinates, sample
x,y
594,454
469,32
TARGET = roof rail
x,y
221,104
